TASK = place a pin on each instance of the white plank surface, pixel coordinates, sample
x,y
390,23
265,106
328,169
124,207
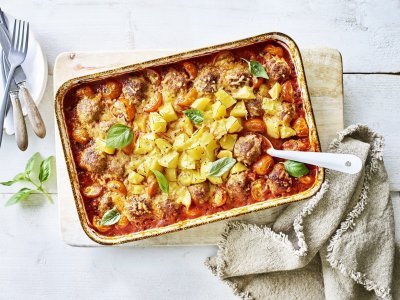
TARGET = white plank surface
x,y
365,32
34,261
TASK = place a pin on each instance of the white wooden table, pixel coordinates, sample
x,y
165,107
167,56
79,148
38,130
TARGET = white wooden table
x,y
35,263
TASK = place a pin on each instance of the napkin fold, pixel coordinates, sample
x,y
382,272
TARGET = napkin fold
x,y
338,244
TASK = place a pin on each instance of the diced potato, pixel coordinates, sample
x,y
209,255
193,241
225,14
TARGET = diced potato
x,y
271,107
238,167
135,178
184,197
186,162
225,98
145,143
286,132
210,150
185,177
263,90
187,125
206,138
272,124
215,180
168,112
157,123
198,177
101,146
239,110
149,163
137,189
201,103
224,153
168,96
140,122
169,160
135,163
218,110
170,174
218,128
163,145
275,91
196,152
245,92
228,141
233,124
180,142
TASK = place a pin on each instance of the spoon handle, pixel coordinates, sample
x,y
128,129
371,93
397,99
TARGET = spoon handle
x,y
346,163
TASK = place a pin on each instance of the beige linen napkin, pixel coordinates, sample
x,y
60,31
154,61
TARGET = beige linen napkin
x,y
339,244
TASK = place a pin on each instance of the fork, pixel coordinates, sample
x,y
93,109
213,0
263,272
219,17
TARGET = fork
x,y
16,56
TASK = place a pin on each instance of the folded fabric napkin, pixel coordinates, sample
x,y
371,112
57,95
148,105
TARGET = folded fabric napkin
x,y
339,244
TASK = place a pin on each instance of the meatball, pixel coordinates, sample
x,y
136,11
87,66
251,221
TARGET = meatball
x,y
117,163
247,148
279,181
135,88
200,192
237,185
175,80
105,203
254,107
237,76
136,206
89,110
207,80
93,160
277,68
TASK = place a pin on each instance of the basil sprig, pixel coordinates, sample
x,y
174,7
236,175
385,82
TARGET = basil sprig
x,y
256,69
119,136
162,181
32,176
195,115
295,169
222,165
110,217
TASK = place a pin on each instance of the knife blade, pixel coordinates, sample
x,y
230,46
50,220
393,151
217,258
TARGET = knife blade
x,y
9,121
21,135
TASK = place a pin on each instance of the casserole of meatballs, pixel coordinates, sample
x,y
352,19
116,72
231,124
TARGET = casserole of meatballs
x,y
184,140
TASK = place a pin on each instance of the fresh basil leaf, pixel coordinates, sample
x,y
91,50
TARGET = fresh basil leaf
x,y
31,163
194,115
162,181
119,136
295,169
222,165
22,194
110,217
45,169
17,178
256,69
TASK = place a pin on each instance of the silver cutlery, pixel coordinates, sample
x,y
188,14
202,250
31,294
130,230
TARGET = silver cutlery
x,y
20,79
15,56
21,134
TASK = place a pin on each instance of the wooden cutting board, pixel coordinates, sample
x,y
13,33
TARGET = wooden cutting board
x,y
323,68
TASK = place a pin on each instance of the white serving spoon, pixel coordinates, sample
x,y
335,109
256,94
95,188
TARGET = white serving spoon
x,y
346,163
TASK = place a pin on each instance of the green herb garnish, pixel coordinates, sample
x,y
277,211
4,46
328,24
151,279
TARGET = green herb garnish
x,y
256,69
110,217
222,165
295,169
119,136
27,176
195,115
162,181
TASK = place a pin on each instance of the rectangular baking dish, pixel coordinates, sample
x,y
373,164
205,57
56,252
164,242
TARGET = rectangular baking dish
x,y
72,171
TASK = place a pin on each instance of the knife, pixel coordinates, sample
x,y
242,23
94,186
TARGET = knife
x,y
20,79
21,134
